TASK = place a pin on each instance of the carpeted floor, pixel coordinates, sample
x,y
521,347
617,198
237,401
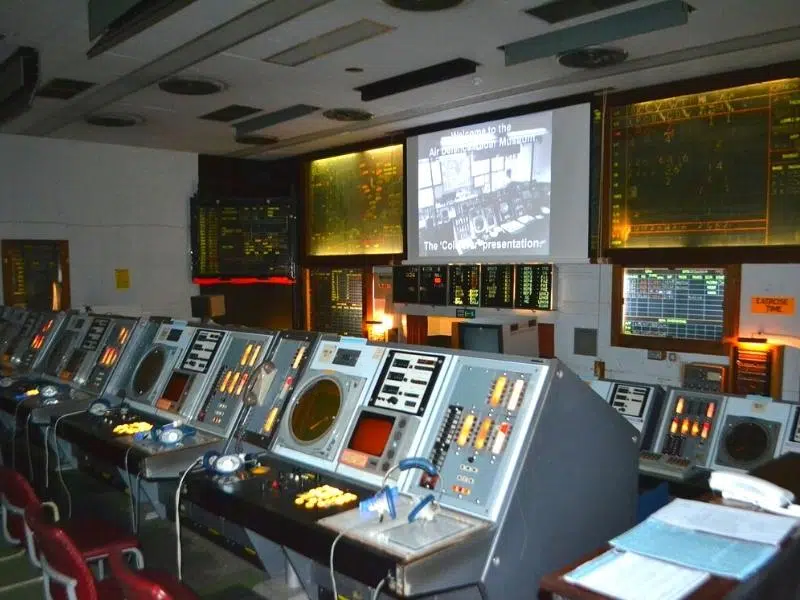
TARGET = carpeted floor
x,y
212,572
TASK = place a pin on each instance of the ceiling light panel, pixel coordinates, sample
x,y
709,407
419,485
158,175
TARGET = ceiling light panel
x,y
647,19
558,11
343,37
244,128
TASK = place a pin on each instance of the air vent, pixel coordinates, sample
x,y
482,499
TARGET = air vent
x,y
559,11
340,38
190,86
417,79
114,120
592,58
423,5
257,140
268,120
347,114
230,113
63,89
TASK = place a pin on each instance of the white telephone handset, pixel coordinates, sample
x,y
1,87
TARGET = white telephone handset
x,y
752,490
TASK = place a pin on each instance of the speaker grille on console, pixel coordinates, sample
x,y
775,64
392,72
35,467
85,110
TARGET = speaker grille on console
x,y
63,89
559,11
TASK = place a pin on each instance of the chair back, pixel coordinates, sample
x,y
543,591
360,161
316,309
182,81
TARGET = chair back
x,y
66,574
137,586
16,494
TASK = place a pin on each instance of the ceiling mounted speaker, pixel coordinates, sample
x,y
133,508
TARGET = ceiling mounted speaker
x,y
114,120
347,114
191,86
592,58
423,5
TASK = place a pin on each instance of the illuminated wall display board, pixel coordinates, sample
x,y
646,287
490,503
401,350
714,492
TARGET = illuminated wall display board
x,y
433,285
526,287
405,284
533,287
693,309
243,237
464,283
355,204
720,168
334,300
497,286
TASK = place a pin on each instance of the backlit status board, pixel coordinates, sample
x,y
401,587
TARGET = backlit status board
x,y
335,300
464,282
433,285
533,287
685,304
719,168
355,204
497,286
405,283
244,238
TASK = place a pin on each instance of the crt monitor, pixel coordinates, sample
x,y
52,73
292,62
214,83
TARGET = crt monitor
x,y
480,337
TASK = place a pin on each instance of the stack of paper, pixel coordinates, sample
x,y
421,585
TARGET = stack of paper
x,y
675,550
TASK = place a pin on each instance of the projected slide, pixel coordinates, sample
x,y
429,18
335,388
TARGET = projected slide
x,y
484,190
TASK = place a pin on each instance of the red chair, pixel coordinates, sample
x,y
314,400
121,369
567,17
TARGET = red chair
x,y
66,576
148,585
95,539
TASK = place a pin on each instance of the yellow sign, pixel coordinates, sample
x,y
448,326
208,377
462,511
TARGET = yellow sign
x,y
122,278
772,305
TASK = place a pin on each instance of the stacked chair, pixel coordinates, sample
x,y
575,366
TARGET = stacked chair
x,y
66,550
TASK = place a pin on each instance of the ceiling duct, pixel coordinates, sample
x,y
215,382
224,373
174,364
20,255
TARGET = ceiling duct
x,y
592,58
117,21
647,19
19,77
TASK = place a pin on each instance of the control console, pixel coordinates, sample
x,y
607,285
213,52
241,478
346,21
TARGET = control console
x,y
641,404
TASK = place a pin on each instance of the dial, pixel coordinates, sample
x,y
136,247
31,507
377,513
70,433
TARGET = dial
x,y
99,409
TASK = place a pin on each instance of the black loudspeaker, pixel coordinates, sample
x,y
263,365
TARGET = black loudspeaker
x,y
208,307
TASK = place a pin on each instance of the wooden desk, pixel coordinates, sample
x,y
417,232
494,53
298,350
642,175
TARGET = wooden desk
x,y
553,584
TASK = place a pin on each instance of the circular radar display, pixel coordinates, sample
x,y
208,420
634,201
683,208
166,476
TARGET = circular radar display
x,y
148,371
746,442
315,411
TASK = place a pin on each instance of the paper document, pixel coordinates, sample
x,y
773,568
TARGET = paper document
x,y
629,576
722,556
739,523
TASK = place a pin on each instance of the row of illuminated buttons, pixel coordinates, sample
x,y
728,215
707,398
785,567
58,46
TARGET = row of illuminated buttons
x,y
324,497
133,428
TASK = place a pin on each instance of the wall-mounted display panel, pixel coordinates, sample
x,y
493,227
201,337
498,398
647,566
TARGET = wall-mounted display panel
x,y
675,308
719,168
243,237
355,204
502,190
334,300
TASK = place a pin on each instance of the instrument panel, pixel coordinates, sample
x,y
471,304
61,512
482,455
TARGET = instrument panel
x,y
64,357
324,402
240,361
292,352
475,436
390,426
113,347
751,433
42,340
689,427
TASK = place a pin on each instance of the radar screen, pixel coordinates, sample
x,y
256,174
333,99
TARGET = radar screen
x,y
685,304
405,284
355,204
335,300
243,237
315,411
533,287
497,286
433,285
464,282
719,168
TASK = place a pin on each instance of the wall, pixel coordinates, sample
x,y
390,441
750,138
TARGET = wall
x,y
583,296
119,208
